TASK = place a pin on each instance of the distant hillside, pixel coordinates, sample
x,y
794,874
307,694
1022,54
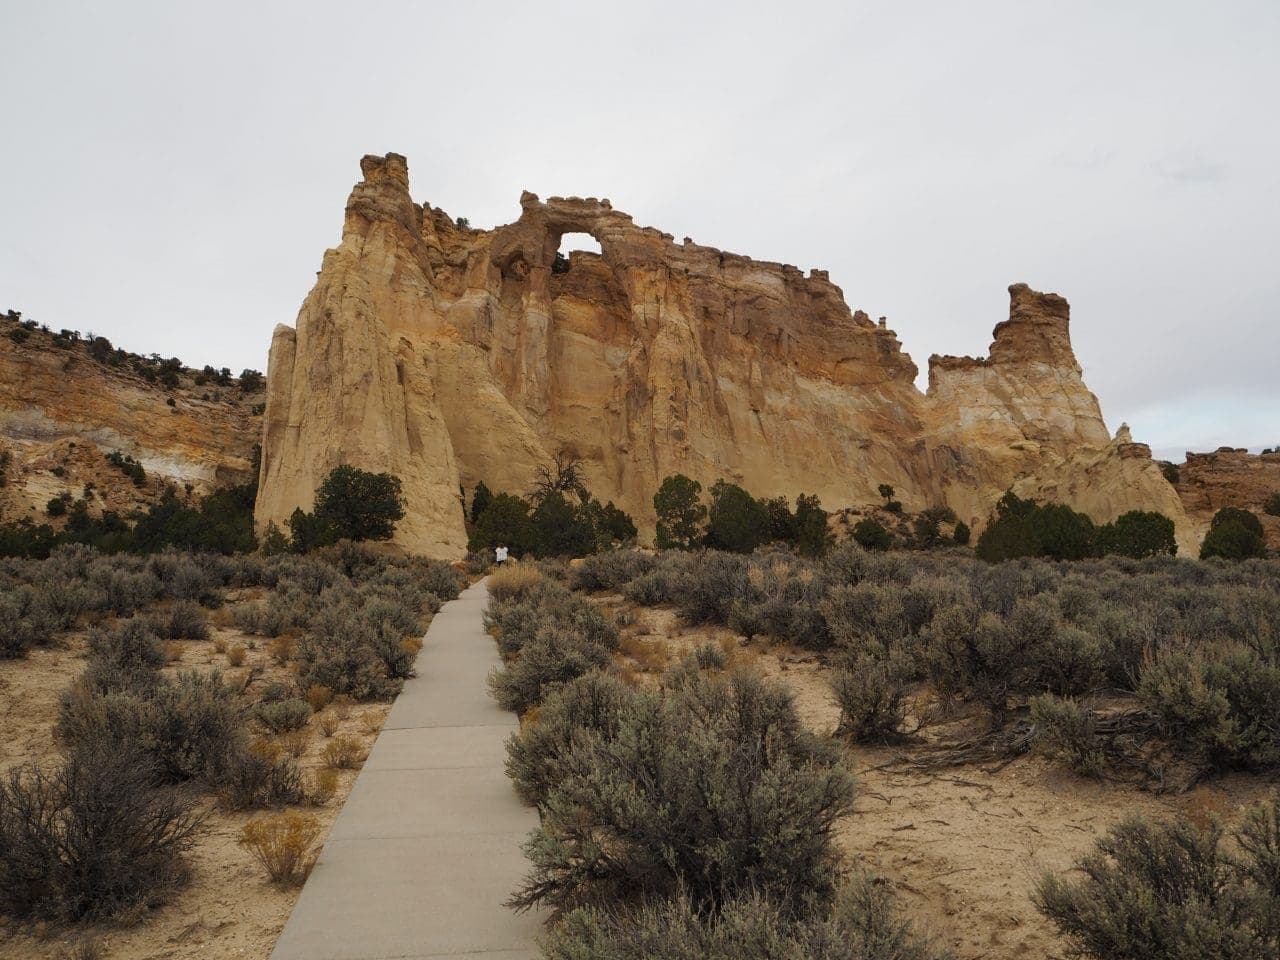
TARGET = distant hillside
x,y
69,404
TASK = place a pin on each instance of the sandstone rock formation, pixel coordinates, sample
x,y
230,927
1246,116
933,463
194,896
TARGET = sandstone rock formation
x,y
449,355
61,412
1228,477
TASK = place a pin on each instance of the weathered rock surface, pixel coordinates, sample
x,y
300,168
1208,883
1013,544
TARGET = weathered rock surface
x,y
61,412
1207,482
450,355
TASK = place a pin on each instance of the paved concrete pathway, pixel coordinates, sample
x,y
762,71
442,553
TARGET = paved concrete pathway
x,y
427,847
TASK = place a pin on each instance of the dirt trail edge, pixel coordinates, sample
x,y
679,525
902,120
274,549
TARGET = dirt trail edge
x,y
427,848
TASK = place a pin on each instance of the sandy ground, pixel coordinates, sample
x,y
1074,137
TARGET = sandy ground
x,y
962,847
230,909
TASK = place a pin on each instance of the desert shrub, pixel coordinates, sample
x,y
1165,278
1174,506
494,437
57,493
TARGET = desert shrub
x,y
1272,506
870,534
776,595
1234,534
283,843
344,653
440,580
1218,704
708,591
131,645
236,654
1152,891
123,591
592,703
611,569
94,838
258,776
183,620
24,622
268,618
649,590
863,923
1067,731
283,715
478,561
872,696
961,534
195,726
318,697
343,753
974,655
187,577
680,513
554,656
711,786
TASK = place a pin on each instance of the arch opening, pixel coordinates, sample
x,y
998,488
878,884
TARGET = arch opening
x,y
571,242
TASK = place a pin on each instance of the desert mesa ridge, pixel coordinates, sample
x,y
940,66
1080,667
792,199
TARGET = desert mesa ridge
x,y
448,355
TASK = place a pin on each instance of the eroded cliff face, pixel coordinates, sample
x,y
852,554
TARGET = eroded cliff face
x,y
62,412
449,355
1228,477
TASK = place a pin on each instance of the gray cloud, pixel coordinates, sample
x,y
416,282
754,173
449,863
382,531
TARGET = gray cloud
x,y
173,173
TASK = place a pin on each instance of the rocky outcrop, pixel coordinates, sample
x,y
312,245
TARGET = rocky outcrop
x,y
449,355
62,412
1229,477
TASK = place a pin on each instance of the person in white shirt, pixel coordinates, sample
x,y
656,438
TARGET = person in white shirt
x,y
500,555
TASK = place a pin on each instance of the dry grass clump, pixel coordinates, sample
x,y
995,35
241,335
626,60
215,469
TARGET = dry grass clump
x,y
328,722
281,649
318,697
282,843
324,784
652,656
236,655
513,581
294,743
343,753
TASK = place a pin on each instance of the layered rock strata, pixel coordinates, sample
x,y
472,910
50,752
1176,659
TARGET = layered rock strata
x,y
449,355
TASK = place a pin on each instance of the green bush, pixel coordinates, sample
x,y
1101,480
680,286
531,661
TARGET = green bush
x,y
1234,534
92,839
1272,507
1137,534
504,522
680,513
871,534
711,787
736,521
961,534
1157,891
1023,528
863,923
350,504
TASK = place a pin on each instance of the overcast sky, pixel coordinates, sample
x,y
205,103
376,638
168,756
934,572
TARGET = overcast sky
x,y
171,173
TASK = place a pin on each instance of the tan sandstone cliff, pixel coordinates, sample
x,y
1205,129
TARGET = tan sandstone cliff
x,y
449,355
